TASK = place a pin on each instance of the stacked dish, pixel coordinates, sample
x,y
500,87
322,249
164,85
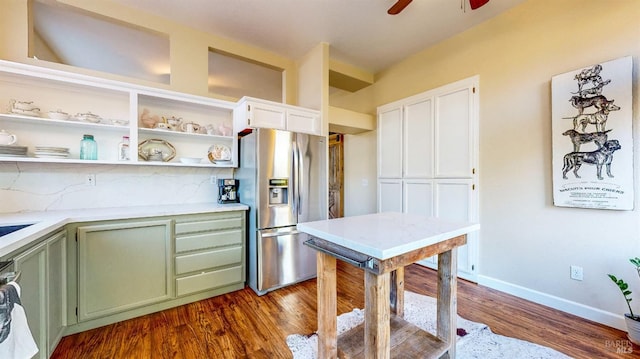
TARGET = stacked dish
x,y
13,151
51,152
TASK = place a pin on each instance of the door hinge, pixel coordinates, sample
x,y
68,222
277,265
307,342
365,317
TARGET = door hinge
x,y
76,237
473,187
249,121
474,89
248,107
473,267
473,171
76,311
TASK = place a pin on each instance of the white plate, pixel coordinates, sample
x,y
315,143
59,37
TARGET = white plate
x,y
50,155
52,149
190,160
11,155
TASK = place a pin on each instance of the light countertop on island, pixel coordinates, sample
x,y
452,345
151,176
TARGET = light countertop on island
x,y
386,235
46,222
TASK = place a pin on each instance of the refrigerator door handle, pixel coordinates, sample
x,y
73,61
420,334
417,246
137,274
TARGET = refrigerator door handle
x,y
297,178
294,179
278,234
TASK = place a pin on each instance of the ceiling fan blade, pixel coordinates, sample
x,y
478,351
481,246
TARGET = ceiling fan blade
x,y
399,6
477,3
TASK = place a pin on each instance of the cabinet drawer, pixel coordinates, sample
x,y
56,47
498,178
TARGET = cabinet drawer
x,y
199,261
193,242
209,225
208,280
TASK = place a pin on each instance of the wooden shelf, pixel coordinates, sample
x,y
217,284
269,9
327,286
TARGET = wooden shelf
x,y
407,341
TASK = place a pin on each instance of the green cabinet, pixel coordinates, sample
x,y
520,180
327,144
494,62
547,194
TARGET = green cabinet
x,y
32,265
210,252
43,290
56,289
122,266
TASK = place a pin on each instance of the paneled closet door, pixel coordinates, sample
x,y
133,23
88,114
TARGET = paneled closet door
x,y
389,195
418,139
418,197
454,200
454,133
390,143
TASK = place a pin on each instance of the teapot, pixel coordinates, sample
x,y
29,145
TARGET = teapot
x,y
7,138
173,122
190,127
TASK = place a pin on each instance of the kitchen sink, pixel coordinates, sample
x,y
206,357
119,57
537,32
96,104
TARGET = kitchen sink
x,y
4,230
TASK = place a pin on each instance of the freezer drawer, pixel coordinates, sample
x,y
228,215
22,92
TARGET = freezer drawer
x,y
283,258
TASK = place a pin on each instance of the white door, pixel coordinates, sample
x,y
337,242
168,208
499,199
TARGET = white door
x,y
454,133
455,159
427,160
390,144
418,197
418,139
389,195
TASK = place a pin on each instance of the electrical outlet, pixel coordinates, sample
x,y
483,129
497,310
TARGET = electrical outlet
x,y
213,180
90,180
576,273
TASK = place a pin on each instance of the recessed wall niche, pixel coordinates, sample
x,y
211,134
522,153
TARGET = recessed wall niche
x,y
235,77
71,36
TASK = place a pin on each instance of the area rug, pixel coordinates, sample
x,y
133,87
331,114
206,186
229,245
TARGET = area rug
x,y
478,342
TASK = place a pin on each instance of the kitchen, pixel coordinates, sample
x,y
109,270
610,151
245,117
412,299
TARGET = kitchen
x,y
396,83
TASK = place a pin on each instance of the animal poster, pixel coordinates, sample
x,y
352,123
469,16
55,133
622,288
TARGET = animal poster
x,y
592,136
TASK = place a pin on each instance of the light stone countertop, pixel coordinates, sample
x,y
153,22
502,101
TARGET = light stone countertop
x,y
386,235
47,222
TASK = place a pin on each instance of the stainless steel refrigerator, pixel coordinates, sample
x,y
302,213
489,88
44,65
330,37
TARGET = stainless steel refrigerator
x,y
283,179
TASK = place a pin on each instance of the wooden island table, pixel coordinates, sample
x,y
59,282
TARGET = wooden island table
x,y
383,244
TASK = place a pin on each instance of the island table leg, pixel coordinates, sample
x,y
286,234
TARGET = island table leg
x,y
447,300
397,292
377,328
327,307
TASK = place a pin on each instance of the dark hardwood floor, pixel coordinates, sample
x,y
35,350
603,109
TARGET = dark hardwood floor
x,y
243,325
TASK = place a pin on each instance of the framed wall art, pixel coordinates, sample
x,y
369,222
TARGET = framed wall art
x,y
592,136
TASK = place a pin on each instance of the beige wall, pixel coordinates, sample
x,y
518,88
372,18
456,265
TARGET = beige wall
x,y
189,48
527,244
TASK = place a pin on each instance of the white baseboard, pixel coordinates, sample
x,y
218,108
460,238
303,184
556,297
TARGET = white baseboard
x,y
580,310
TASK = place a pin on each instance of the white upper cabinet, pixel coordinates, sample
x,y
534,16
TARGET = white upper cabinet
x,y
257,113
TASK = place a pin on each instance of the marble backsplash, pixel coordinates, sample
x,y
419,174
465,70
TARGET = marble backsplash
x,y
26,187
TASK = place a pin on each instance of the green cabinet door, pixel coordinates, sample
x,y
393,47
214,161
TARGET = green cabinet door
x,y
56,288
32,265
122,266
